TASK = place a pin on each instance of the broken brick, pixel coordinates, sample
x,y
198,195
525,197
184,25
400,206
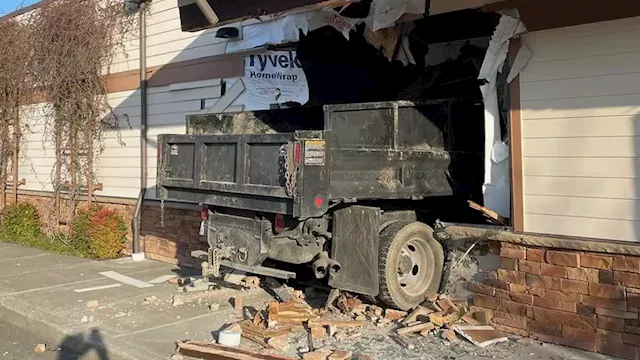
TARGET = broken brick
x,y
280,343
449,335
237,303
511,276
318,332
394,315
340,355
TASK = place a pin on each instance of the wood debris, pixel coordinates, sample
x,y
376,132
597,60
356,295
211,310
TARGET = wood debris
x,y
493,216
209,351
290,312
413,316
351,305
480,335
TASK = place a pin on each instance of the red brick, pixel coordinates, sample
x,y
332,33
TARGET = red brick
x,y
483,316
479,288
519,323
581,335
529,266
564,296
536,255
537,327
536,291
545,338
610,348
547,282
632,322
626,278
509,264
608,335
554,304
590,275
575,286
511,276
588,346
507,245
565,258
563,318
518,288
610,323
517,297
511,330
632,329
619,305
596,261
553,270
512,307
485,302
606,291
585,310
519,254
633,299
631,339
616,313
605,277
626,263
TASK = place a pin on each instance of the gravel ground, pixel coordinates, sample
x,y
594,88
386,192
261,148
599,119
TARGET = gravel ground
x,y
17,344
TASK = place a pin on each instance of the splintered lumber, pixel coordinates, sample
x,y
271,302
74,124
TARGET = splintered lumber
x,y
218,352
290,312
480,335
416,328
249,328
493,216
413,316
321,323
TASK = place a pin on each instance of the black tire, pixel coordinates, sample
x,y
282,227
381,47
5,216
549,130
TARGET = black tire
x,y
419,237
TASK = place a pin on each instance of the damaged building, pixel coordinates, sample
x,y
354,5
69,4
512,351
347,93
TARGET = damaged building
x,y
535,105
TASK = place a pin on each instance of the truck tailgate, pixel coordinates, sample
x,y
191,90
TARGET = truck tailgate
x,y
241,171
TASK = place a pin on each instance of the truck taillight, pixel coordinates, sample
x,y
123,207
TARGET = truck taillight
x,y
297,152
204,213
159,149
279,223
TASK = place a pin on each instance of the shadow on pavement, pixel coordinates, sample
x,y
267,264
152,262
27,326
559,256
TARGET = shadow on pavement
x,y
76,347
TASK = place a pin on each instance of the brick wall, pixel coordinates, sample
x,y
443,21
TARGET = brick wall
x,y
172,243
584,300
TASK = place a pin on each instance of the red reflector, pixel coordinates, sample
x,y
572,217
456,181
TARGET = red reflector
x,y
159,150
319,201
204,213
297,153
279,223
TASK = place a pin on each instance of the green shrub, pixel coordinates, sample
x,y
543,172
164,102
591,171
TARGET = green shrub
x,y
106,235
20,222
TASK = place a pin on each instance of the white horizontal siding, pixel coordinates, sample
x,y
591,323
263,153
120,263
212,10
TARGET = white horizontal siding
x,y
580,101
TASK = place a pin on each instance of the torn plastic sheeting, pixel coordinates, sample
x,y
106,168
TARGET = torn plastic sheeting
x,y
330,17
496,189
385,13
520,62
274,32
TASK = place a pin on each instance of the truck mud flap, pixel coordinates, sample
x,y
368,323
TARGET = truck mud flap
x,y
355,247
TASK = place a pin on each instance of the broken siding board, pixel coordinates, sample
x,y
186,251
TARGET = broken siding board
x,y
613,188
622,230
614,209
594,147
580,127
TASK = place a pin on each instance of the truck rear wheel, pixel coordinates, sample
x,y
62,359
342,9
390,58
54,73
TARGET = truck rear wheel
x,y
410,264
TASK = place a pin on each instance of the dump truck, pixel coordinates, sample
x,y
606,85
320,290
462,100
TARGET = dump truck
x,y
340,199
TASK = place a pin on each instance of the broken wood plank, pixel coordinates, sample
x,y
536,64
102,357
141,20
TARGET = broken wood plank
x,y
218,352
290,312
248,327
482,335
354,323
493,216
415,328
413,316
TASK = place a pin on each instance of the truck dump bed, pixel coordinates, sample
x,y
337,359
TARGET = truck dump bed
x,y
371,151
